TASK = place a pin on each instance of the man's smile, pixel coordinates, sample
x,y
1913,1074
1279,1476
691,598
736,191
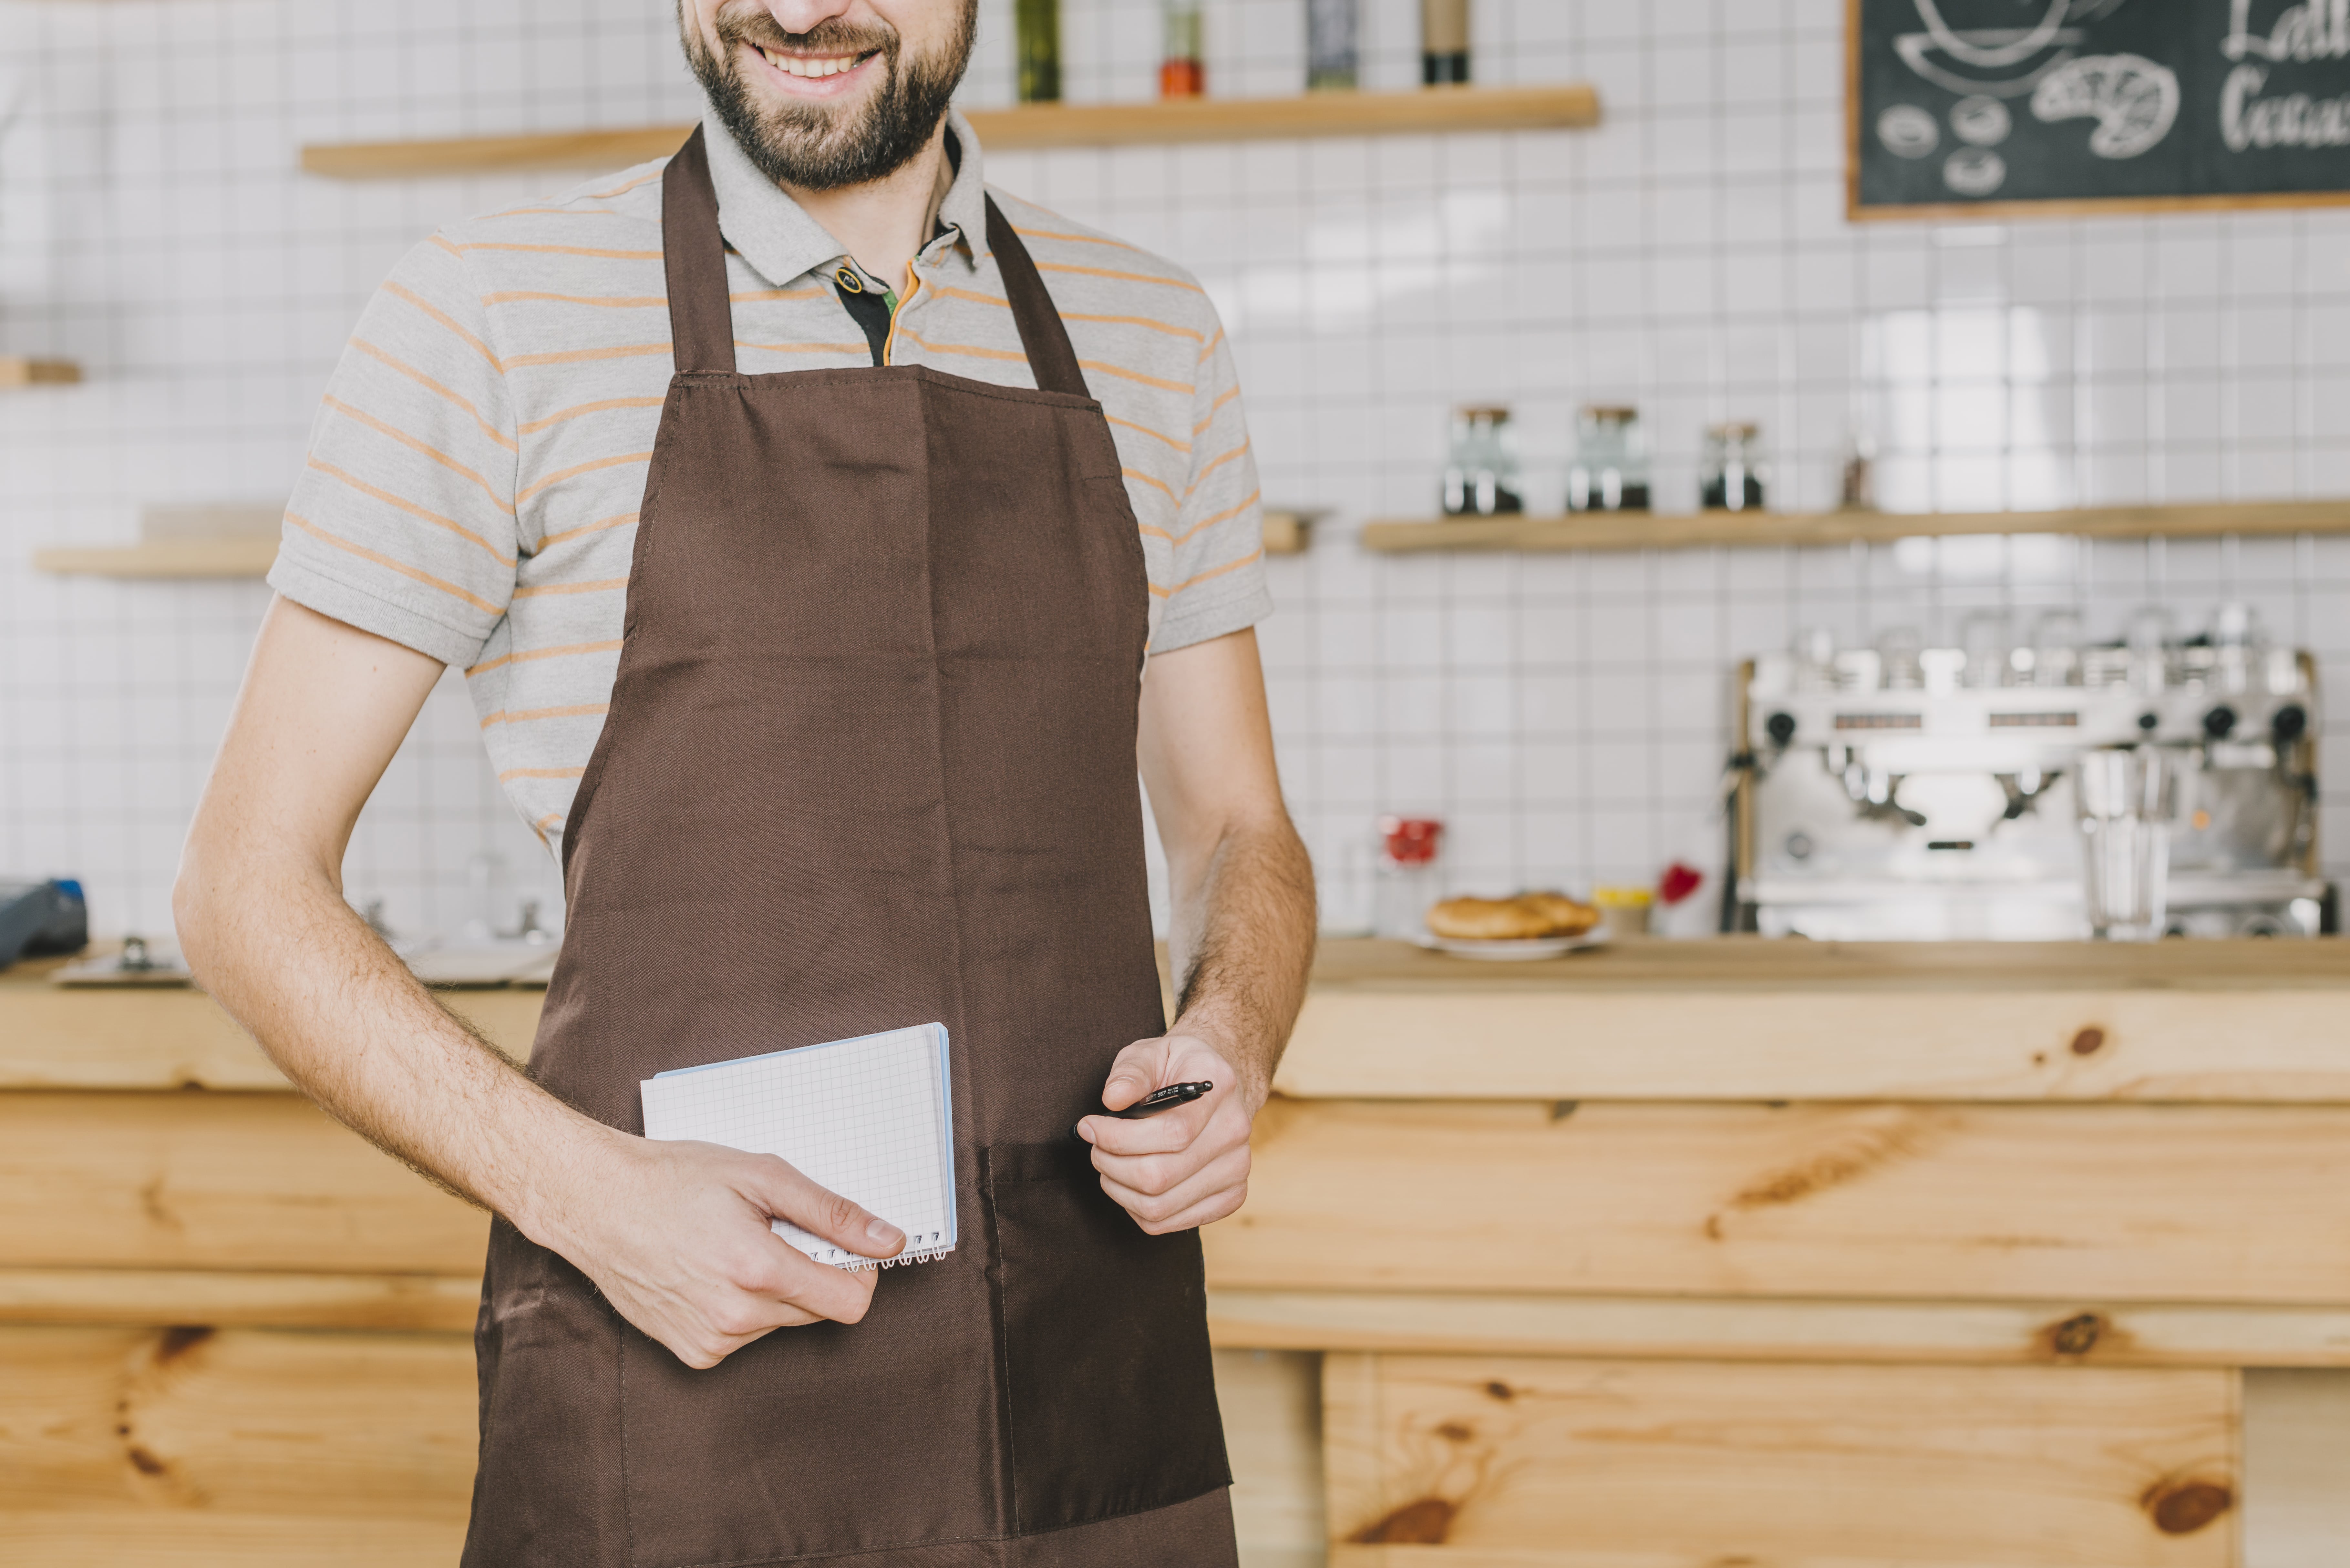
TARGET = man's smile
x,y
809,74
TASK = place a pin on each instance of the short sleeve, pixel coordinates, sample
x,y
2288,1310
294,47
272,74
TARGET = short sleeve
x,y
1217,583
402,521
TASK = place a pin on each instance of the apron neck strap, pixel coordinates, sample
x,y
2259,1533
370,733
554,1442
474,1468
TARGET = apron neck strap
x,y
1050,359
693,252
701,318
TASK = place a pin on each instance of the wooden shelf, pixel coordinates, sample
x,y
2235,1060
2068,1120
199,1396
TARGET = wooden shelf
x,y
1568,106
1289,532
1286,534
1648,531
248,558
16,370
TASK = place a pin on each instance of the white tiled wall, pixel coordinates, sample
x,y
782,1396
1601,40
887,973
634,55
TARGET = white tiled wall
x,y
1561,713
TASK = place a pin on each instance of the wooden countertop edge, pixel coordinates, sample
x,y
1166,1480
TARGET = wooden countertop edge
x,y
1670,1020
1629,1327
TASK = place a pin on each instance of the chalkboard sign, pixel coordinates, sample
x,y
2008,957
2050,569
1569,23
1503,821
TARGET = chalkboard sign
x,y
2023,106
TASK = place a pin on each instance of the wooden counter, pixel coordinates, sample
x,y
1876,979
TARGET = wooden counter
x,y
1679,1252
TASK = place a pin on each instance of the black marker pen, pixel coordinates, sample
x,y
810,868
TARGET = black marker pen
x,y
1151,1104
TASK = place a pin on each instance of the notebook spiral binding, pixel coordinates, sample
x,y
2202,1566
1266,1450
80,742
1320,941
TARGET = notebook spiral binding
x,y
856,1266
854,1263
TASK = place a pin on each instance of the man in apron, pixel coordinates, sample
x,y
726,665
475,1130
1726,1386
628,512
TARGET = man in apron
x,y
867,759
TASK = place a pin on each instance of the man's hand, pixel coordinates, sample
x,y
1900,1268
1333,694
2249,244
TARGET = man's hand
x,y
676,1236
1184,1167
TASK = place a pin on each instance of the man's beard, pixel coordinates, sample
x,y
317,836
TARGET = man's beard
x,y
814,146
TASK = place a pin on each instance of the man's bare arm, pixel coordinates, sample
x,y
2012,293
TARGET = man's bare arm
x,y
1240,943
675,1234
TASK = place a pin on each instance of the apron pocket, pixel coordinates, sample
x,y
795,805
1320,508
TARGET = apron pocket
x,y
1110,1386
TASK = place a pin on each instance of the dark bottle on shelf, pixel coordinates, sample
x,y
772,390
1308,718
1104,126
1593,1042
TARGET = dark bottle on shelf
x,y
1036,25
1610,471
1731,477
1182,63
1480,475
1443,42
1331,27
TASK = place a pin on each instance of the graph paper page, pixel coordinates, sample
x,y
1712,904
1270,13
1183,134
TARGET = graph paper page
x,y
869,1118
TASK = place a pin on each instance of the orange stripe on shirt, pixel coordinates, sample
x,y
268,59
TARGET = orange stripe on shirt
x,y
559,250
394,363
1224,516
1123,374
526,715
624,190
1183,446
1209,348
1079,239
555,212
1253,556
574,471
1166,327
972,349
751,296
566,651
402,567
600,301
445,319
413,509
950,292
542,590
595,408
513,774
581,356
1200,478
404,439
864,349
1213,408
1154,483
598,527
1126,276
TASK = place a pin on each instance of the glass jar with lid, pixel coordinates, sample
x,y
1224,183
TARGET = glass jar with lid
x,y
1610,471
1730,477
1481,476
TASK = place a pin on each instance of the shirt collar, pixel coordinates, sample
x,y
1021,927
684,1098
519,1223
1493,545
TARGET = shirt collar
x,y
780,242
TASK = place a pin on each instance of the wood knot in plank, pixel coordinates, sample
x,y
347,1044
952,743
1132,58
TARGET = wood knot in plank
x,y
1457,1432
1850,1153
2077,1335
1424,1521
2184,1507
2089,1042
179,1340
1497,1389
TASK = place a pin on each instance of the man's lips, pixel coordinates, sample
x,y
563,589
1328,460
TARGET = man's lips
x,y
814,75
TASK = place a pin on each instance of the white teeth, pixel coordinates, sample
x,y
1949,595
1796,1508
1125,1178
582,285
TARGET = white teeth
x,y
803,65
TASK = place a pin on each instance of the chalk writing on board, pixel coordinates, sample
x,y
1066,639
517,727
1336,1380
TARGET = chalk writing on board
x,y
1968,102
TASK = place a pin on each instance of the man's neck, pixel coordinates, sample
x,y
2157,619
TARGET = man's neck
x,y
882,225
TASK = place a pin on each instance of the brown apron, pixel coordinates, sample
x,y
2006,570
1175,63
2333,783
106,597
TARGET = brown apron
x,y
870,762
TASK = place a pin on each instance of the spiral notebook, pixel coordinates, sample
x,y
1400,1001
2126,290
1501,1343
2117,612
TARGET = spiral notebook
x,y
872,1118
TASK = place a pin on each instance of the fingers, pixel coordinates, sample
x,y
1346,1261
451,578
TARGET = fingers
x,y
788,1195
1135,1073
781,1286
1208,1194
1162,1133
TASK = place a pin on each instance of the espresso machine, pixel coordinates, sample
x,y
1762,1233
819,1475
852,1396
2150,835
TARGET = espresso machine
x,y
1899,792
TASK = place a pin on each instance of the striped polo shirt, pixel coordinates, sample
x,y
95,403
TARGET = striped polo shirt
x,y
475,469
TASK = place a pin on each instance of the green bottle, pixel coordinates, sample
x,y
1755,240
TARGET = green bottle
x,y
1039,28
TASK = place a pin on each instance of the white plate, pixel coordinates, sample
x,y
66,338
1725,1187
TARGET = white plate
x,y
1520,948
